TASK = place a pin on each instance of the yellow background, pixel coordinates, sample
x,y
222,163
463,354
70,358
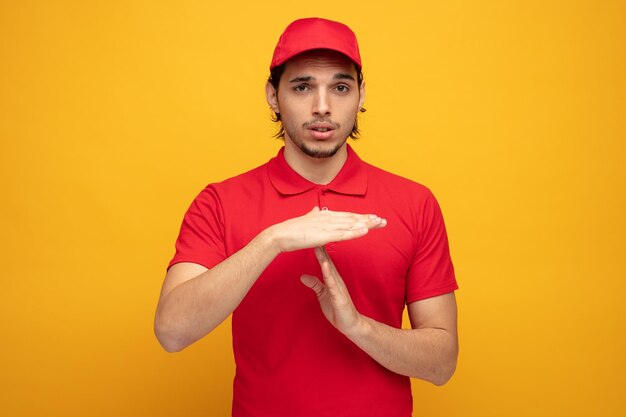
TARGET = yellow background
x,y
113,115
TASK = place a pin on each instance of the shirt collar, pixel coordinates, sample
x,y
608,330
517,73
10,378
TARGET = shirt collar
x,y
351,179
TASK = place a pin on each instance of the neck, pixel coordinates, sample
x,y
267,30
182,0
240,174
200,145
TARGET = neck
x,y
317,170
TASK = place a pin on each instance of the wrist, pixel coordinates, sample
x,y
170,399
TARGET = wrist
x,y
269,241
360,330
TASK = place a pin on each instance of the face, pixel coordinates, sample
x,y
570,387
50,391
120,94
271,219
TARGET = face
x,y
318,99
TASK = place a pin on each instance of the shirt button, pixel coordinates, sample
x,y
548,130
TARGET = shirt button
x,y
324,208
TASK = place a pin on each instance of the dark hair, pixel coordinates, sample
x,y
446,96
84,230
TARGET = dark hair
x,y
274,79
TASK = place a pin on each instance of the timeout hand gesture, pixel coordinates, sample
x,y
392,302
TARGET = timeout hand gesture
x,y
319,227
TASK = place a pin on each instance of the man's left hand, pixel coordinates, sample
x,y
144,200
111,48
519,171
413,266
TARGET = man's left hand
x,y
333,295
428,351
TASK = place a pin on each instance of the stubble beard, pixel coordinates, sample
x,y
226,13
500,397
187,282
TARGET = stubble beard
x,y
319,153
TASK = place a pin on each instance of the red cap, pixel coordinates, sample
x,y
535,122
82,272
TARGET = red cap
x,y
315,33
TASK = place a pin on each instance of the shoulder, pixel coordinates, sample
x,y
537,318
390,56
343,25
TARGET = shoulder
x,y
249,180
216,196
413,202
384,181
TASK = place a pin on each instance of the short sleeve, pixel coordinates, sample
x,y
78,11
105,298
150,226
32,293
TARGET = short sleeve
x,y
431,272
201,237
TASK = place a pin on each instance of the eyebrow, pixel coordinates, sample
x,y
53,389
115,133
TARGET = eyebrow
x,y
338,76
343,76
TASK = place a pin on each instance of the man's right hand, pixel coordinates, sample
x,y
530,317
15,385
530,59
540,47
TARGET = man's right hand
x,y
194,299
319,227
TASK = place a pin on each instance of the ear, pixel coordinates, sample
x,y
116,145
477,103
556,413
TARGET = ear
x,y
271,95
361,95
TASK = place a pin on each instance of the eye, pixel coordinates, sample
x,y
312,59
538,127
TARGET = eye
x,y
301,88
342,88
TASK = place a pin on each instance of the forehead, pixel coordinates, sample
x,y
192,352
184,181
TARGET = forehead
x,y
320,60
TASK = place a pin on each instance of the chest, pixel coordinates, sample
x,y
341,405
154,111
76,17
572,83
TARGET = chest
x,y
374,267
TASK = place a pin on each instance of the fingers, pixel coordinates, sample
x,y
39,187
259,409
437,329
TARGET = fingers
x,y
377,222
313,283
332,279
319,227
366,220
322,256
332,294
345,225
349,227
328,268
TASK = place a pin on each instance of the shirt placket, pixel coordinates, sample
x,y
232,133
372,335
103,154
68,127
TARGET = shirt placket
x,y
324,203
322,199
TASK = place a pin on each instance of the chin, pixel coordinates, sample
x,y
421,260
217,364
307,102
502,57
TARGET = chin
x,y
320,151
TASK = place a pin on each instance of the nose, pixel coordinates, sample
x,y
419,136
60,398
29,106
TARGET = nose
x,y
321,104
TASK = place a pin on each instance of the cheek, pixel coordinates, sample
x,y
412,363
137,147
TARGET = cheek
x,y
290,110
351,111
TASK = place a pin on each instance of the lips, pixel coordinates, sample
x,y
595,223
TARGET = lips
x,y
321,130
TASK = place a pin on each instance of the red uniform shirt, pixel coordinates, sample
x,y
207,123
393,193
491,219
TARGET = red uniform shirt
x,y
290,360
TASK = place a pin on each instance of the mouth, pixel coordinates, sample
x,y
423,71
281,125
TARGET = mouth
x,y
320,130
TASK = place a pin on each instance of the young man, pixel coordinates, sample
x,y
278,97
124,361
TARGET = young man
x,y
315,254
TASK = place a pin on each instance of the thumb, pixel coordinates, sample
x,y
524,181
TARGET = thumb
x,y
313,283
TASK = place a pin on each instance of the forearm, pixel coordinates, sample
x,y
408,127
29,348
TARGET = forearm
x,y
195,302
194,308
427,353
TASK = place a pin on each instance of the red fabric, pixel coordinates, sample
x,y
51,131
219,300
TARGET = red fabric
x,y
290,360
315,33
